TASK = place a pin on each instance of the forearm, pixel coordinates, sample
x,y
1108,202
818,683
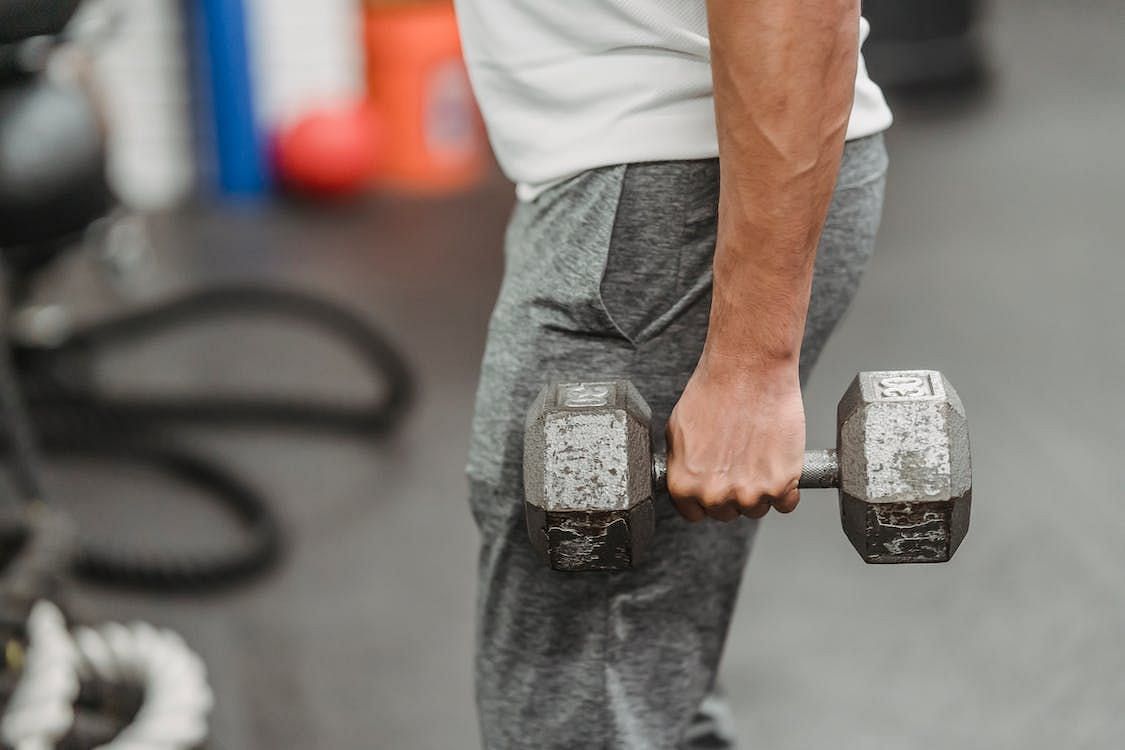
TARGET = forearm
x,y
784,78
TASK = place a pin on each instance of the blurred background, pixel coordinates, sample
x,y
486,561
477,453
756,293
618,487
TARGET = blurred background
x,y
250,248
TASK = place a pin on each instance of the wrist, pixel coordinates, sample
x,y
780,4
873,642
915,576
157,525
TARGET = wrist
x,y
751,339
749,365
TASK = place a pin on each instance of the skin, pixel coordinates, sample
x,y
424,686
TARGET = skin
x,y
784,78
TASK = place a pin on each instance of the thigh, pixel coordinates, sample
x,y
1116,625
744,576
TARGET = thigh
x,y
595,287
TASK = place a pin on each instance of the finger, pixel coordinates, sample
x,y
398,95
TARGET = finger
x,y
684,497
718,501
787,503
756,511
752,503
689,508
725,512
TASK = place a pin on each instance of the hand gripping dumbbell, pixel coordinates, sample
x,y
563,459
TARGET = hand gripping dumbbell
x,y
901,465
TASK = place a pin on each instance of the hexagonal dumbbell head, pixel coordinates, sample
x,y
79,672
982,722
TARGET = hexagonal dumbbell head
x,y
905,474
588,475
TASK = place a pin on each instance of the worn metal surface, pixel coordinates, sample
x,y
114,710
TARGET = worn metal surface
x,y
587,461
598,540
905,473
821,470
587,468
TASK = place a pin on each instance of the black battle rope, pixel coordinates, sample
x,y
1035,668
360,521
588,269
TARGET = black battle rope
x,y
73,417
62,375
185,571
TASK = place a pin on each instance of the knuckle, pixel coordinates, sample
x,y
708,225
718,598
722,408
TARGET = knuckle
x,y
712,501
757,511
715,495
682,486
784,504
783,487
750,497
720,507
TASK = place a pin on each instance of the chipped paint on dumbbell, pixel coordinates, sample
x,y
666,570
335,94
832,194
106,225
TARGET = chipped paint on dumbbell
x,y
587,466
586,510
906,496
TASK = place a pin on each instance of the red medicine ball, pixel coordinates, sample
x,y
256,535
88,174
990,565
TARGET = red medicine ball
x,y
328,152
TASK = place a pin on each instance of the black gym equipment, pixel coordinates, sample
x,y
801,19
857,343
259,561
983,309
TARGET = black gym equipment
x,y
52,187
23,19
73,417
52,169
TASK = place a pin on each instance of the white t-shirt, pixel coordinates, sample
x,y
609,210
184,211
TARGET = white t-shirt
x,y
569,85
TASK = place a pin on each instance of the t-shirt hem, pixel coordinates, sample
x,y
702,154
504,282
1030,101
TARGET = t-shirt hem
x,y
664,138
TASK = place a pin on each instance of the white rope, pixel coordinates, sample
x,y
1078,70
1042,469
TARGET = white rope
x,y
41,708
177,698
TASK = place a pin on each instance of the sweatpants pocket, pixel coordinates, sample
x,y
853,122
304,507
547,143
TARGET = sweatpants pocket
x,y
658,260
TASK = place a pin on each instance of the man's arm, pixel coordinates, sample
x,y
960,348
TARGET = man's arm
x,y
784,77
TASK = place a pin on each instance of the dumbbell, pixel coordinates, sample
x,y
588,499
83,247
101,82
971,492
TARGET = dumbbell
x,y
901,465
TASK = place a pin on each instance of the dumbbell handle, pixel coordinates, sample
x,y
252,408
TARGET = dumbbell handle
x,y
821,470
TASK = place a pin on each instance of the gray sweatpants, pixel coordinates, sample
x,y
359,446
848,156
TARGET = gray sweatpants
x,y
609,275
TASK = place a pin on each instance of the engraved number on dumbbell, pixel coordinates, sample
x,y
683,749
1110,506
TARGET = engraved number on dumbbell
x,y
905,386
583,395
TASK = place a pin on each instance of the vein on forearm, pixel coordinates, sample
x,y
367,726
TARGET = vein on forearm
x,y
784,76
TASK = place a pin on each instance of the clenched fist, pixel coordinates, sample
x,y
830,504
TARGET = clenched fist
x,y
736,443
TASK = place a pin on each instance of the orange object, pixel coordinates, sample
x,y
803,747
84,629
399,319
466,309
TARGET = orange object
x,y
416,80
329,152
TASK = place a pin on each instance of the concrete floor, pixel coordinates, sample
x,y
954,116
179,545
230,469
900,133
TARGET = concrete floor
x,y
999,262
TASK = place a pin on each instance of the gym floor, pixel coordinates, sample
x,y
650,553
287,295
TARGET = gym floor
x,y
999,262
